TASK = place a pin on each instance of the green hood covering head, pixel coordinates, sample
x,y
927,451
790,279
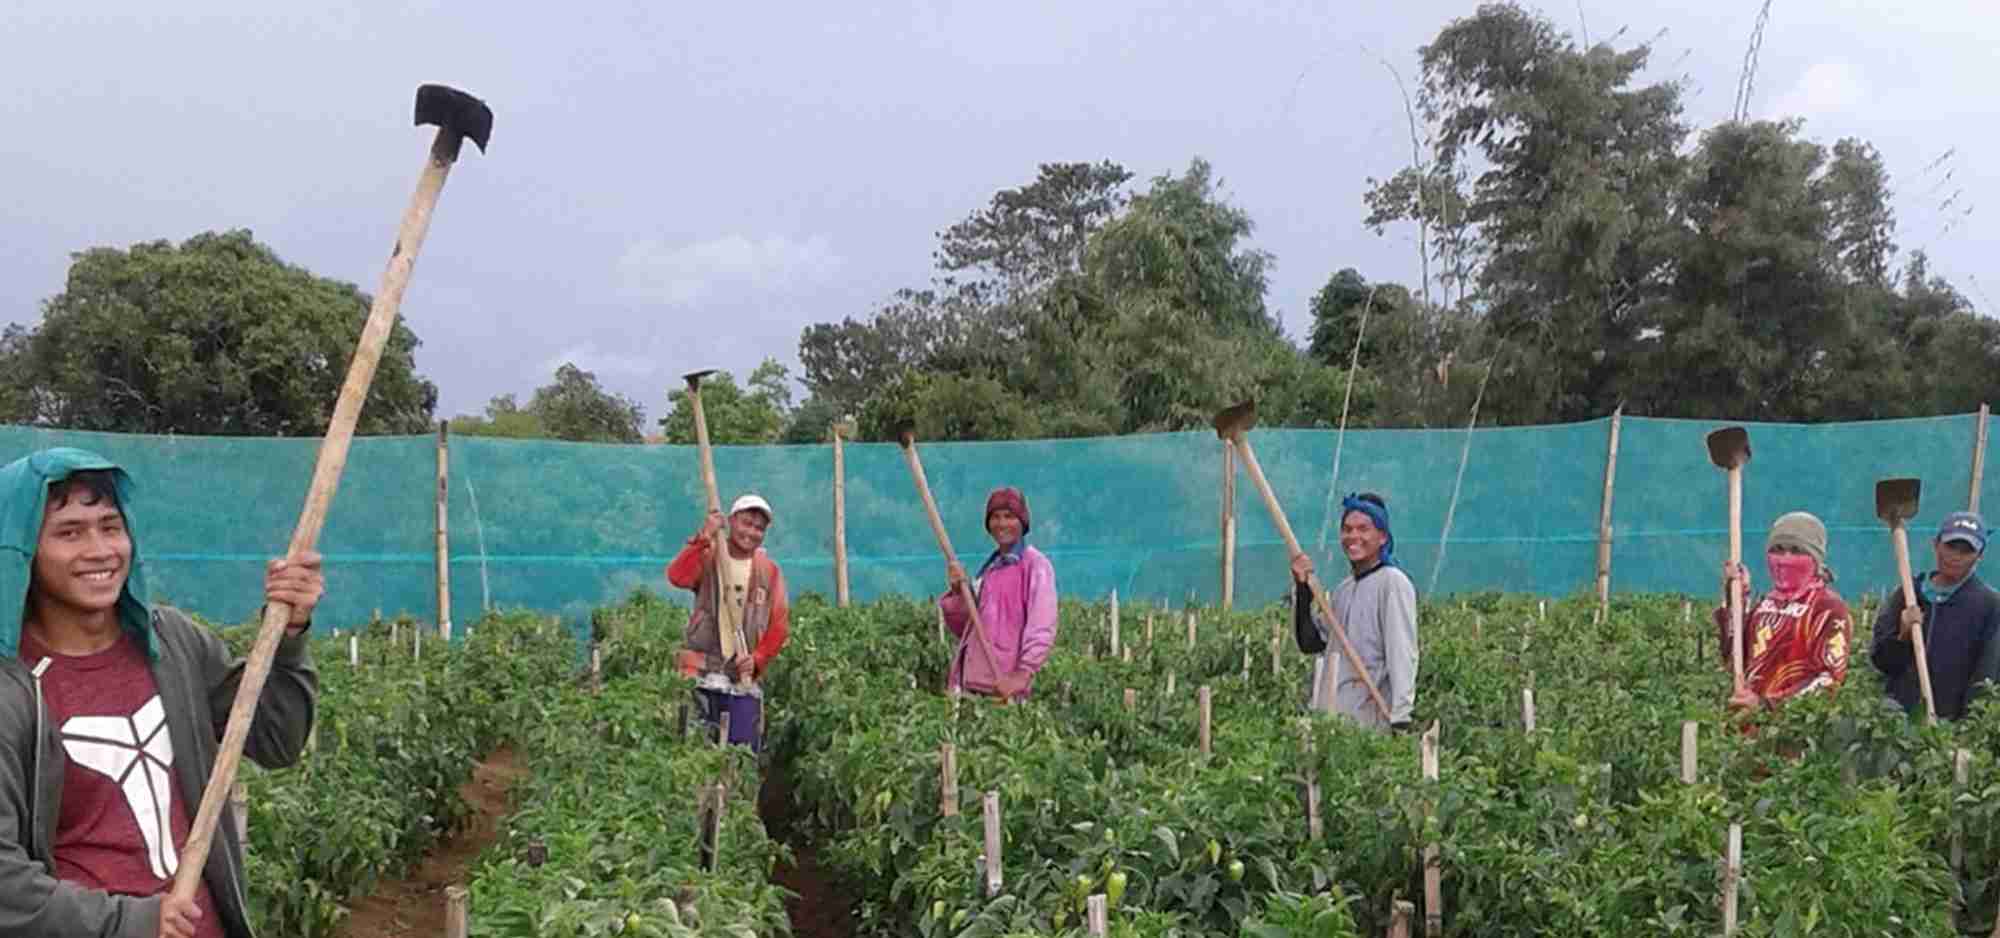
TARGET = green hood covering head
x,y
24,492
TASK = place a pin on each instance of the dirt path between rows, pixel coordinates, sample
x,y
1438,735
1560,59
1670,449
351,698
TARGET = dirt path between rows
x,y
414,905
822,909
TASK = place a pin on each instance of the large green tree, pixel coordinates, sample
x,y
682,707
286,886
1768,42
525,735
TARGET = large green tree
x,y
736,414
571,407
215,335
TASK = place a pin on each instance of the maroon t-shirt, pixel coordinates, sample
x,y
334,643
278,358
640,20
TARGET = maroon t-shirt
x,y
119,798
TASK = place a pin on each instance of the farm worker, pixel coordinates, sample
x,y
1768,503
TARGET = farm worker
x,y
111,711
1377,604
738,625
1960,617
1016,592
1797,638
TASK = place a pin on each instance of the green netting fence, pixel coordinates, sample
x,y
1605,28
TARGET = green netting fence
x,y
566,527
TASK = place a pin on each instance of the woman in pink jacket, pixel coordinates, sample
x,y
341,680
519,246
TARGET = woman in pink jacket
x,y
1016,590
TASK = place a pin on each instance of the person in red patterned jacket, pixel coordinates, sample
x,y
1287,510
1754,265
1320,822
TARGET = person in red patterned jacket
x,y
1797,638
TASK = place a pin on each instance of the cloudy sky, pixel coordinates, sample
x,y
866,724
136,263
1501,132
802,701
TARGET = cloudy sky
x,y
674,186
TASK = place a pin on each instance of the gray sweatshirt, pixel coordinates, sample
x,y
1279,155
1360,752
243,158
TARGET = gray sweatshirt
x,y
197,684
1379,611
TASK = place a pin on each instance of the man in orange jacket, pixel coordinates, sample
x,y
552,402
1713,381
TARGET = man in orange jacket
x,y
740,617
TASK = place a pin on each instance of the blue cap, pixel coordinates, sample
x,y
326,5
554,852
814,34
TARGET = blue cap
x,y
1963,526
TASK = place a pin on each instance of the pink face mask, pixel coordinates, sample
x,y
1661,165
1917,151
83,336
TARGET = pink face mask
x,y
1792,574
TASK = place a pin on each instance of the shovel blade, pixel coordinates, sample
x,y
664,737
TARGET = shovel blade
x,y
1896,499
1237,420
1729,447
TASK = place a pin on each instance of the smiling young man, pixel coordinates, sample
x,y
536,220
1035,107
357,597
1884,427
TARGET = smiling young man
x,y
1960,617
1016,592
739,623
111,713
1377,604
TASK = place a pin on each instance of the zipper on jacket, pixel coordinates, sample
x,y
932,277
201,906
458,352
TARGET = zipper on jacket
x,y
35,767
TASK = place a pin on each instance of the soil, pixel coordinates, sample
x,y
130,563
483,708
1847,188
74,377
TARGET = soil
x,y
414,905
822,909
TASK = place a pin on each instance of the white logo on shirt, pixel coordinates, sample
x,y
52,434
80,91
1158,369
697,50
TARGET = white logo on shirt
x,y
136,752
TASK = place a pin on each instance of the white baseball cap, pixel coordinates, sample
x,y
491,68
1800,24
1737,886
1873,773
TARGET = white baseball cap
x,y
749,501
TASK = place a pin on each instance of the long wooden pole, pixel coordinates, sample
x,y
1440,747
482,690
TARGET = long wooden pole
x,y
443,530
319,498
980,640
1228,526
1978,461
1319,592
839,518
1902,544
1604,519
1736,582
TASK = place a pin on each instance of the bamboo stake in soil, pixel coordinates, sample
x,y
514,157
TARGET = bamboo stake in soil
x,y
1528,709
1689,766
1206,699
354,651
1098,913
1604,519
1115,644
443,534
1190,628
1399,918
457,912
1732,871
839,518
1433,869
1131,700
948,782
1149,628
1961,775
993,879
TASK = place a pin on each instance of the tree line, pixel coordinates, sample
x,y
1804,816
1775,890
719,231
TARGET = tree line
x,y
1580,247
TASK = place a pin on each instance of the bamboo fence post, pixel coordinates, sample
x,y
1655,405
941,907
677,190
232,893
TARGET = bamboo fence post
x,y
993,878
1978,460
1228,525
948,781
1206,699
354,651
443,532
1170,683
1528,709
416,643
1190,628
1126,655
1131,700
1399,918
1099,916
1690,767
1604,519
596,667
1115,643
457,912
1433,867
1732,871
1961,775
1149,628
714,798
839,517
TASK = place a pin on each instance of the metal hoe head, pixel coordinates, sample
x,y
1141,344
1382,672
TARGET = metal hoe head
x,y
693,378
1896,499
1235,421
452,110
1729,447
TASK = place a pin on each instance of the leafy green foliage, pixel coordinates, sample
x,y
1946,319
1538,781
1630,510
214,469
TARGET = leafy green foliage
x,y
395,738
736,415
572,407
216,335
1581,827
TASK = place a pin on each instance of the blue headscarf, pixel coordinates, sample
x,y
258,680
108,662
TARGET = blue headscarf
x,y
1380,517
